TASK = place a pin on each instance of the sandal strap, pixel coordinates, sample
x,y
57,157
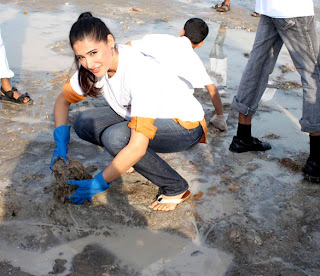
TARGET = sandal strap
x,y
185,196
224,8
161,200
216,6
9,93
21,97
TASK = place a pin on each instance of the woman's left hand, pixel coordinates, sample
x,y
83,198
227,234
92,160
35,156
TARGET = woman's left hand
x,y
87,189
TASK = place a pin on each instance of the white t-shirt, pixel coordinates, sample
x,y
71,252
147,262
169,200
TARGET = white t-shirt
x,y
285,8
142,88
176,54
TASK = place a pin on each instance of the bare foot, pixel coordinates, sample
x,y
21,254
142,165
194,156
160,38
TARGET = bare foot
x,y
163,206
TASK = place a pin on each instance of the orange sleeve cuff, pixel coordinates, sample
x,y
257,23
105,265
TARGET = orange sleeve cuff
x,y
144,126
70,95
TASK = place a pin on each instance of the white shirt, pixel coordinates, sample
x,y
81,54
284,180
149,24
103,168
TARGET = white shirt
x,y
142,88
285,8
176,54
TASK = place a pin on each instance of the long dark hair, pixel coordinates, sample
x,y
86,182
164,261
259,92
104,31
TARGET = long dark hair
x,y
93,28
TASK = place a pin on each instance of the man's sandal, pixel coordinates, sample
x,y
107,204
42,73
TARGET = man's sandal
x,y
8,96
218,5
224,8
177,201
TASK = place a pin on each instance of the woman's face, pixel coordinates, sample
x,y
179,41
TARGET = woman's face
x,y
94,56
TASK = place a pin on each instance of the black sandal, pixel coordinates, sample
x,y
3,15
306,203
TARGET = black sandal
x,y
224,8
8,96
218,5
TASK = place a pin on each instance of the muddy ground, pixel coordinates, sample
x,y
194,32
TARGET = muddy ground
x,y
250,213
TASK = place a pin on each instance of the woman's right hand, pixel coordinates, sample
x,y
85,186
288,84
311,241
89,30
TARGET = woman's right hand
x,y
86,189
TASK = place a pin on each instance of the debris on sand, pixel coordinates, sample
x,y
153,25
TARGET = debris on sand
x,y
272,136
62,172
135,9
292,163
288,85
287,68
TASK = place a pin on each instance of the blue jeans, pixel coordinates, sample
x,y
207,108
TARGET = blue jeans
x,y
299,36
103,126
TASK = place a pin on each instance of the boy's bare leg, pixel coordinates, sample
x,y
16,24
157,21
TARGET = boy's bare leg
x,y
244,119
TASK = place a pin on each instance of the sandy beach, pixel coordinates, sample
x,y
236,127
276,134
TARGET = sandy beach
x,y
249,214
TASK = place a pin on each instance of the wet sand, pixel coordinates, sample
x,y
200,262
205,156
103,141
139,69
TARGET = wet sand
x,y
250,213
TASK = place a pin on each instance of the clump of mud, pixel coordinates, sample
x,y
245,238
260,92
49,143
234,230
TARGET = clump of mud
x,y
287,68
63,172
272,136
287,85
295,163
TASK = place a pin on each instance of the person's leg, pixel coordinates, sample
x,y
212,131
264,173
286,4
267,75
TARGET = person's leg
x,y
300,37
6,86
6,74
253,83
170,137
311,170
90,124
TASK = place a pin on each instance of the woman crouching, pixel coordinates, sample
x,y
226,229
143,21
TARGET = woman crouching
x,y
150,110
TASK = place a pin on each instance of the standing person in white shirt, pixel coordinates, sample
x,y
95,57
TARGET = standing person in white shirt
x,y
177,54
288,22
9,93
150,111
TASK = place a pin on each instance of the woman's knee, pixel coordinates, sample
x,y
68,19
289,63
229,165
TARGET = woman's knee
x,y
80,125
115,138
85,129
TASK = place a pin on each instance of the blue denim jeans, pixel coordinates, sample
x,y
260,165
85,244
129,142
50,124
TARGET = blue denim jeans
x,y
299,36
103,126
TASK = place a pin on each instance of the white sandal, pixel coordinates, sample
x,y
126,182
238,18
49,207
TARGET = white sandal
x,y
177,201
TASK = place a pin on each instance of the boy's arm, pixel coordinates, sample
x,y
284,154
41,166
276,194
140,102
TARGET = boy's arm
x,y
218,119
215,98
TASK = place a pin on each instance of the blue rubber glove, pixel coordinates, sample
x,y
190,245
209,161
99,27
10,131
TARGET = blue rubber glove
x,y
61,136
87,189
